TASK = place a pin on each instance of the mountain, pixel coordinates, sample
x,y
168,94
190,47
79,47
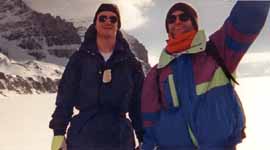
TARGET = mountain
x,y
27,34
35,47
29,76
138,49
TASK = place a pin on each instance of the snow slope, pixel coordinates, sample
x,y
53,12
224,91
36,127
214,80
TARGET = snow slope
x,y
31,68
24,118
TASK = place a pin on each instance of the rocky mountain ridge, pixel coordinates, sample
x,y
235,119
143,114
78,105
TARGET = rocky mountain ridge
x,y
35,47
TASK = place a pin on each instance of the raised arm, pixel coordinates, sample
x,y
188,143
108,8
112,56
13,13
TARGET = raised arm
x,y
240,30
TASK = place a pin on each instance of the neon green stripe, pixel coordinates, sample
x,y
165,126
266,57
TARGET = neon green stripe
x,y
193,138
173,91
165,59
219,79
198,43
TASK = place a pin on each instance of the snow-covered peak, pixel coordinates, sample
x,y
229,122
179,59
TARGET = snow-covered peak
x,y
26,34
27,77
13,11
31,68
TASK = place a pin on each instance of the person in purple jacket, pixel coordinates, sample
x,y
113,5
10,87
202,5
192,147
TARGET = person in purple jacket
x,y
188,99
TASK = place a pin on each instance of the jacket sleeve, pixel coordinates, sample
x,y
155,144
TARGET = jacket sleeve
x,y
135,105
66,96
150,106
149,142
240,30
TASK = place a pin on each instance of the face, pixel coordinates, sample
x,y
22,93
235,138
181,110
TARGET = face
x,y
179,23
107,24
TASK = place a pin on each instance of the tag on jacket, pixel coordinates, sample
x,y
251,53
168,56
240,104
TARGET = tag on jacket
x,y
107,76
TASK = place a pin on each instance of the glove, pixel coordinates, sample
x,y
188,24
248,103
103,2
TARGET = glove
x,y
58,143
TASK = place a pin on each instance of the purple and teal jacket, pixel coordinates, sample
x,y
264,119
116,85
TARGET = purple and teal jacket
x,y
187,101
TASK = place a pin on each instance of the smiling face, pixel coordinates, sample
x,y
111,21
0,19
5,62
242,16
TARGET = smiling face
x,y
106,25
179,23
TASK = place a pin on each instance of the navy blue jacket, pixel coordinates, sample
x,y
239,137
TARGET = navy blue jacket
x,y
102,106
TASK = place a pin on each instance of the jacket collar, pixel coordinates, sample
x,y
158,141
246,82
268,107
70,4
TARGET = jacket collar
x,y
198,45
91,47
89,44
121,50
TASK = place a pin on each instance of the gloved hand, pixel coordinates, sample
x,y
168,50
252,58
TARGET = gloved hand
x,y
58,143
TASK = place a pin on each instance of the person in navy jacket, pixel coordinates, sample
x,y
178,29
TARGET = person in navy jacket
x,y
103,81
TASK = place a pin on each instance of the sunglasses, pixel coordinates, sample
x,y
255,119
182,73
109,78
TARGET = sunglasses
x,y
103,18
182,17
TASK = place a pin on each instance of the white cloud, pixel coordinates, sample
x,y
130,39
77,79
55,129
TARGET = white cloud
x,y
132,11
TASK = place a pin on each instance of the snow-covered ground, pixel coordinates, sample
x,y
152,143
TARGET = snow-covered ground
x,y
255,96
24,122
24,118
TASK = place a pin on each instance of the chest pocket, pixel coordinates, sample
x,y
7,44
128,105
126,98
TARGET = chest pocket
x,y
117,93
89,83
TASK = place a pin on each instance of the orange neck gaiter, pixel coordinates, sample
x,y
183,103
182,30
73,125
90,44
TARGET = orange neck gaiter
x,y
180,42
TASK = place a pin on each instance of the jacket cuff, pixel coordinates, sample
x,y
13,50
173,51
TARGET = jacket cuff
x,y
140,136
59,132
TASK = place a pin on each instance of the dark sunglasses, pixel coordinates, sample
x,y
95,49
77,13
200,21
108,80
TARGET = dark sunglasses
x,y
183,17
103,18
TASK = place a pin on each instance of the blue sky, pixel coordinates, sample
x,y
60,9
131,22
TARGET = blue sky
x,y
145,18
